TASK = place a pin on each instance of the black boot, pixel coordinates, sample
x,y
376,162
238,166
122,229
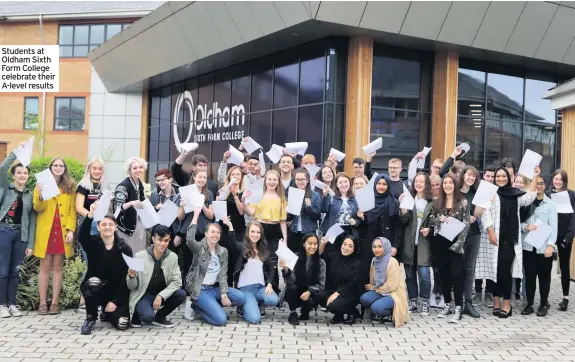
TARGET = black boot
x,y
304,313
563,305
337,319
88,325
470,310
351,317
292,319
527,310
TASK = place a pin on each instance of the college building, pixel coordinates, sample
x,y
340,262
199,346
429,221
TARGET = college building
x,y
334,74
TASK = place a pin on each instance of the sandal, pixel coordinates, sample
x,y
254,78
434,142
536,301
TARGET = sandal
x,y
43,309
54,309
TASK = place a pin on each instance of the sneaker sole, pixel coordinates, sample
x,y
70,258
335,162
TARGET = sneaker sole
x,y
424,314
136,325
454,321
17,315
163,325
6,316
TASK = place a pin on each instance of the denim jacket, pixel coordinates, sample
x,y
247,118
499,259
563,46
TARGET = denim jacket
x,y
546,212
309,215
8,195
331,206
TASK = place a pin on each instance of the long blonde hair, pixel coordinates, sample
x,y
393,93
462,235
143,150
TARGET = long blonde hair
x,y
280,191
86,181
66,182
229,178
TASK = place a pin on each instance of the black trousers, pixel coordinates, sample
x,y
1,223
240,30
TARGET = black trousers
x,y
273,234
101,298
537,266
295,240
489,286
452,273
341,305
505,258
564,258
292,297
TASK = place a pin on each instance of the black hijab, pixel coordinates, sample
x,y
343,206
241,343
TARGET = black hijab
x,y
302,277
384,202
508,220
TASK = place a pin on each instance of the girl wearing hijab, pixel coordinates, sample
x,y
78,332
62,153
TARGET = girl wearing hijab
x,y
501,221
450,252
341,293
565,234
415,251
382,220
386,289
306,281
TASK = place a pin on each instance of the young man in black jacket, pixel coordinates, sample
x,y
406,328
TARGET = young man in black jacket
x,y
183,178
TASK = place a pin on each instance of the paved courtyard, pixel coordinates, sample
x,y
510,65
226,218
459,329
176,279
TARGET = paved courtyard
x,y
519,338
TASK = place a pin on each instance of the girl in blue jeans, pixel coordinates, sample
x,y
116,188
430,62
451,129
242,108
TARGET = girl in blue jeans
x,y
254,274
386,291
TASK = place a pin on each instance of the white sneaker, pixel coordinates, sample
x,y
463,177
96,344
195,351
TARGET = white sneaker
x,y
424,308
4,312
456,316
189,313
441,303
15,311
433,301
412,306
445,312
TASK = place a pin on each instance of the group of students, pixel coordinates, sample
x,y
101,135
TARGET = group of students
x,y
208,265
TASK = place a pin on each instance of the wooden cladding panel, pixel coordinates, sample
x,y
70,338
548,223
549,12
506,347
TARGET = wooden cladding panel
x,y
444,117
358,101
568,159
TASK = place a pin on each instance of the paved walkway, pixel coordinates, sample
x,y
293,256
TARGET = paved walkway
x,y
519,338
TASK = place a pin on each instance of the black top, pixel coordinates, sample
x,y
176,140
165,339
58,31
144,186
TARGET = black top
x,y
14,214
397,188
90,196
237,220
126,192
107,265
158,280
473,228
342,274
182,178
566,222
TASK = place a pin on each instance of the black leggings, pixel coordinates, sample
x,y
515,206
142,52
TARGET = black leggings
x,y
505,258
341,305
292,297
537,266
564,259
273,234
452,271
489,286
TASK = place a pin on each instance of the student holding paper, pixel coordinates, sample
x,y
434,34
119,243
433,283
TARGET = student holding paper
x,y
342,285
206,280
385,293
310,213
168,191
198,162
382,220
128,197
394,168
502,222
362,167
306,281
450,203
307,159
359,183
17,230
271,212
55,226
254,274
565,234
286,166
415,248
327,176
155,292
342,209
105,281
538,261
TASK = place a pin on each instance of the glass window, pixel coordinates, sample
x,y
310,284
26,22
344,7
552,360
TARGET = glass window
x,y
97,33
504,97
284,126
262,90
31,106
66,35
470,130
541,139
471,93
311,118
153,150
80,51
241,92
285,85
537,109
396,83
312,81
69,114
504,140
260,129
66,51
113,29
400,132
81,34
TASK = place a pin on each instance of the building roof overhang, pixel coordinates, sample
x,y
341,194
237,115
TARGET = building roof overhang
x,y
185,39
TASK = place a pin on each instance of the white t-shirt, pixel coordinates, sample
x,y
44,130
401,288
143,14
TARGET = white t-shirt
x,y
213,271
252,273
420,205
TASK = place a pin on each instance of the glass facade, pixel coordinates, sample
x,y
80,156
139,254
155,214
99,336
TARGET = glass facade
x,y
296,95
502,115
400,103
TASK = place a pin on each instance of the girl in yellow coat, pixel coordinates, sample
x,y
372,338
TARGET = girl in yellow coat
x,y
55,226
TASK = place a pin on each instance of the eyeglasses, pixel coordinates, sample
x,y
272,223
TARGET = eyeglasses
x,y
161,180
300,180
541,184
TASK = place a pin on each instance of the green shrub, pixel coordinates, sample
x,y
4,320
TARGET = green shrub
x,y
28,297
75,168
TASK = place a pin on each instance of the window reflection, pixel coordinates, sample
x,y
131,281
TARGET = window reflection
x,y
470,131
538,109
471,93
396,83
504,140
285,85
312,81
504,97
284,126
311,118
541,139
262,90
260,129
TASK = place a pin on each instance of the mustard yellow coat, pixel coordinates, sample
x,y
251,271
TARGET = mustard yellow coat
x,y
46,209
